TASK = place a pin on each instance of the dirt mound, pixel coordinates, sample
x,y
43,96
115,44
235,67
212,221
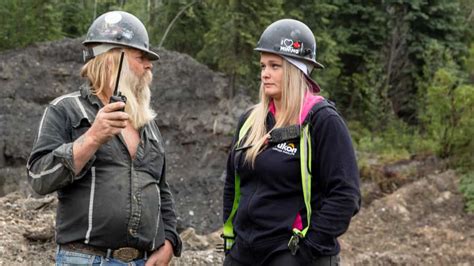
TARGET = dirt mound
x,y
27,230
422,223
27,234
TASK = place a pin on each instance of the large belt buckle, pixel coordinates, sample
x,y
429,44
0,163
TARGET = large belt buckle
x,y
126,254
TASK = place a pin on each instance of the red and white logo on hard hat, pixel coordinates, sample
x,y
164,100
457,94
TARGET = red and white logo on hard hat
x,y
291,46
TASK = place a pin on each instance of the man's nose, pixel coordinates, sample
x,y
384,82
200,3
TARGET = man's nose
x,y
147,64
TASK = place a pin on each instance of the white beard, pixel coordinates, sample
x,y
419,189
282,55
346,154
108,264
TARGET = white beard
x,y
137,91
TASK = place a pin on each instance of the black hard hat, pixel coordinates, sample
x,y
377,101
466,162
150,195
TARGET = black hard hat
x,y
289,37
117,29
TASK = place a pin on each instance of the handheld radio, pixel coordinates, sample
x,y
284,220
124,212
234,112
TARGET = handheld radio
x,y
117,96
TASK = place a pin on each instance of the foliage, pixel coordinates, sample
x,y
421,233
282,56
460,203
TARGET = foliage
x,y
75,18
36,21
469,64
399,141
449,117
466,186
187,22
235,27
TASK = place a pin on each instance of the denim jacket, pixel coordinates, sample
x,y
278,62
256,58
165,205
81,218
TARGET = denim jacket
x,y
115,201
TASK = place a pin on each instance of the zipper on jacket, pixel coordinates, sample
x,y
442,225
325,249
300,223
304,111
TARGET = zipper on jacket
x,y
134,212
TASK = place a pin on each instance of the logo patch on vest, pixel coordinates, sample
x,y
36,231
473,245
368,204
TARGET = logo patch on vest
x,y
286,148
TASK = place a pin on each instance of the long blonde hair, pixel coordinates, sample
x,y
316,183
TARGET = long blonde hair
x,y
101,69
102,72
294,88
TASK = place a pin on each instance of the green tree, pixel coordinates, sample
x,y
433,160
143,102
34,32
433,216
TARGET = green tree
x,y
183,22
469,63
449,115
76,17
27,21
9,11
235,27
376,49
435,24
353,35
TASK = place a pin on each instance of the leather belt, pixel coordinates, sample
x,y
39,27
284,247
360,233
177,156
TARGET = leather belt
x,y
125,254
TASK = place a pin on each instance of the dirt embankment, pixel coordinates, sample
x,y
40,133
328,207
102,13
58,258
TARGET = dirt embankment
x,y
412,212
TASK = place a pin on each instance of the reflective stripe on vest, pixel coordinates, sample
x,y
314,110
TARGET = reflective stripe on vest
x,y
305,164
228,231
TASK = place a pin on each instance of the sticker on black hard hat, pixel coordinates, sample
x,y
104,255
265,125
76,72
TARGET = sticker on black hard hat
x,y
127,34
119,28
113,17
291,46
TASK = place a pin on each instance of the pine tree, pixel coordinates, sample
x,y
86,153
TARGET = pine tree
x,y
235,27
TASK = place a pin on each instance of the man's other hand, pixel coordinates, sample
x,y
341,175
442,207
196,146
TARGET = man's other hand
x,y
161,256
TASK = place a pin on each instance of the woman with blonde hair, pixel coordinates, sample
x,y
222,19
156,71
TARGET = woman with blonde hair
x,y
292,183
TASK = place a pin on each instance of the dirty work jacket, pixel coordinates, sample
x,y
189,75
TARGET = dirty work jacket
x,y
115,201
272,197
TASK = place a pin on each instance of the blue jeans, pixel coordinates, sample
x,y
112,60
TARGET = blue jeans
x,y
66,257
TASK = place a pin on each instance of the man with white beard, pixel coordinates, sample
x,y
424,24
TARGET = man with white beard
x,y
105,158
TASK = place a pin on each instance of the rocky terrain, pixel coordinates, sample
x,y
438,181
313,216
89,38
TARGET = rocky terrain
x,y
412,211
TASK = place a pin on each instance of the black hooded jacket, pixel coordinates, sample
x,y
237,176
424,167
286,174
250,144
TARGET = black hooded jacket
x,y
272,196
